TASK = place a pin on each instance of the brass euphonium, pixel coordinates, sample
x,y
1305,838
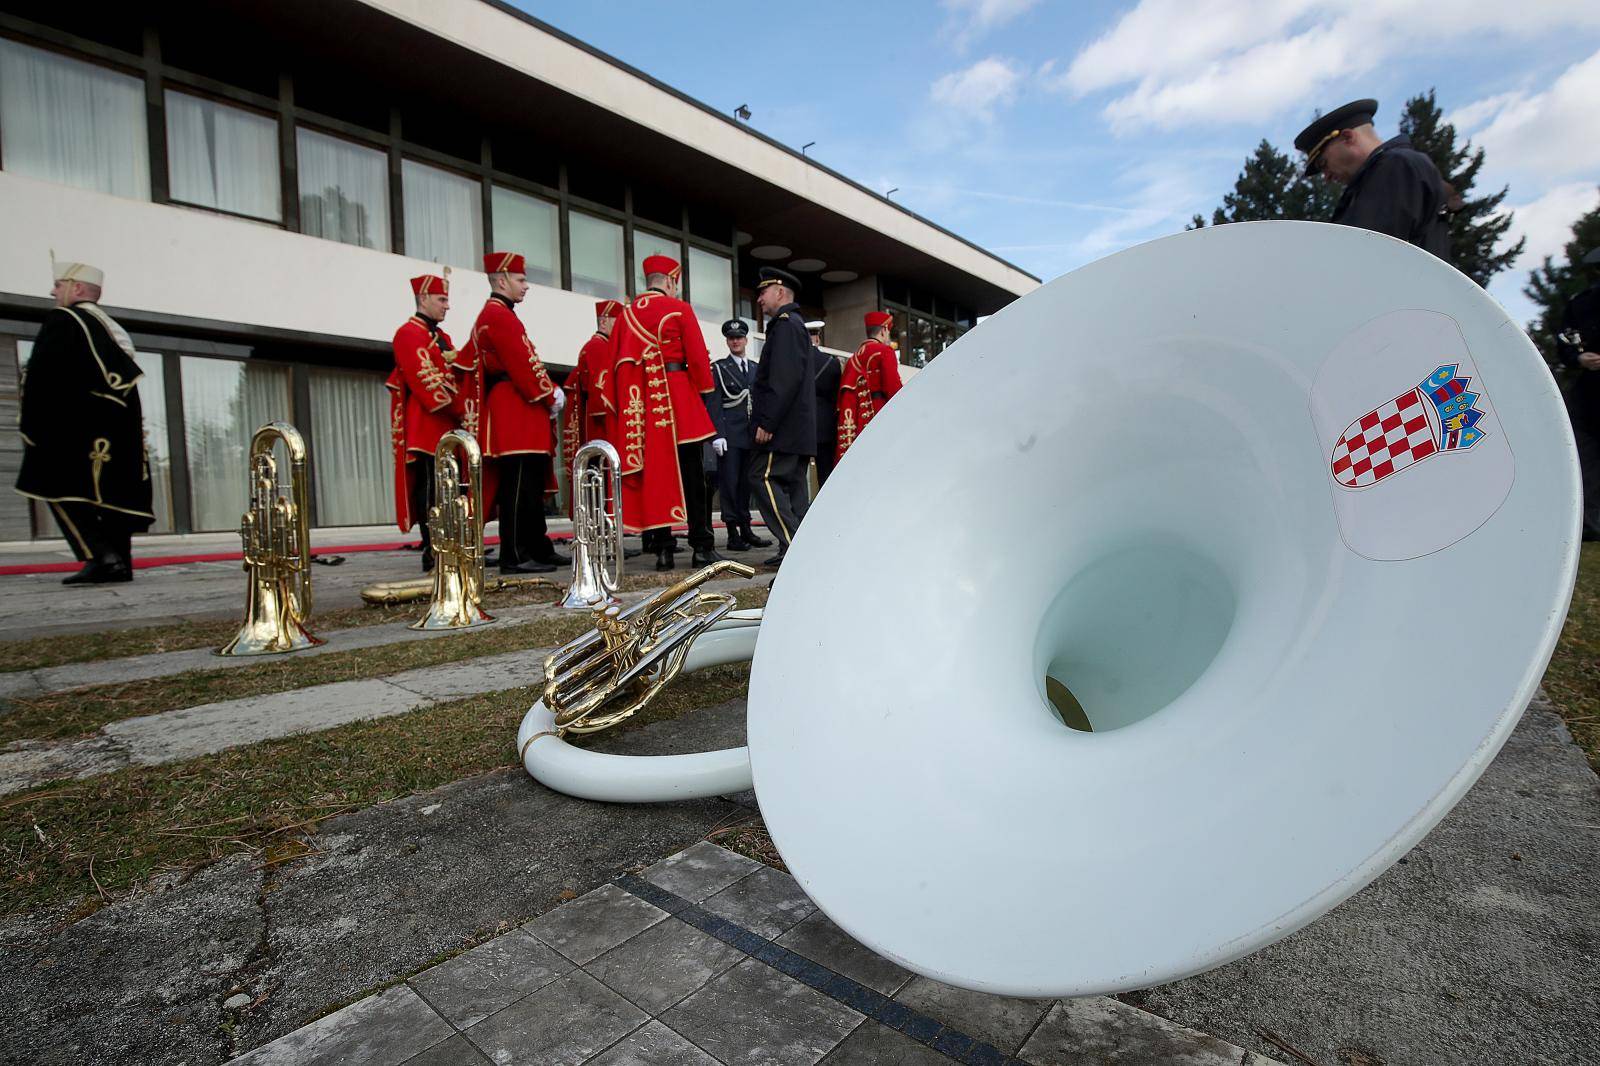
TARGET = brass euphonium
x,y
596,526
455,524
276,531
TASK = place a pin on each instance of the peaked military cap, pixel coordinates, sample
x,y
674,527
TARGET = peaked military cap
x,y
735,327
777,276
1315,137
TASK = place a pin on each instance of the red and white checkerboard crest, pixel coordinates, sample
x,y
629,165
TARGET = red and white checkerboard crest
x,y
1439,415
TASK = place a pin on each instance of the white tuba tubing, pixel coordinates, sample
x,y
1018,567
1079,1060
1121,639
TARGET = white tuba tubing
x,y
593,775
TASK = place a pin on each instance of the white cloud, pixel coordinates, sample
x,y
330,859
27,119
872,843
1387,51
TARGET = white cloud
x,y
1551,134
970,19
1547,224
979,89
1190,61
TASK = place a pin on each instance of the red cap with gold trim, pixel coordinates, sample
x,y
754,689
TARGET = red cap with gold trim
x,y
429,285
504,263
661,264
874,319
607,309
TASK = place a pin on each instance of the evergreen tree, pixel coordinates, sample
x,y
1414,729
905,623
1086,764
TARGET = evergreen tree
x,y
1551,286
1272,186
1475,229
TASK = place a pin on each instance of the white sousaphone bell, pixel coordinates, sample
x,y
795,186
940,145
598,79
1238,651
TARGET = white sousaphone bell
x,y
1287,511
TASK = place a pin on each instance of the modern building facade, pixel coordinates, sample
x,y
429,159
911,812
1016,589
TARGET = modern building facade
x,y
258,181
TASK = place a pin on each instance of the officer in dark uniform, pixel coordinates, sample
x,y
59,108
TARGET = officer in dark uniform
x,y
1578,348
825,379
783,411
1389,186
733,376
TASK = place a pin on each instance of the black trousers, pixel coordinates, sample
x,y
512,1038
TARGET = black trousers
x,y
733,485
520,496
778,486
95,534
1588,441
425,468
696,501
825,463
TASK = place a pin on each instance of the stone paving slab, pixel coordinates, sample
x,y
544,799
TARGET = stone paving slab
x,y
388,1028
664,990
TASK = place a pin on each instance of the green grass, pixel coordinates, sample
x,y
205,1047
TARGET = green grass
x,y
59,715
39,652
80,843
1573,680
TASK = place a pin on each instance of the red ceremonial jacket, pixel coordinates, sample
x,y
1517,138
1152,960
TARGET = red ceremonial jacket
x,y
516,419
661,372
430,393
870,378
588,413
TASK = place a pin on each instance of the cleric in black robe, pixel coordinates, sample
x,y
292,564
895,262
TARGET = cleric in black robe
x,y
1389,186
83,430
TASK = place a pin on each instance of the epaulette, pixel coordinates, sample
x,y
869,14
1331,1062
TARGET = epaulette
x,y
783,316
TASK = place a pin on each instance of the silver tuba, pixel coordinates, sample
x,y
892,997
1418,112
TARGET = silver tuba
x,y
596,526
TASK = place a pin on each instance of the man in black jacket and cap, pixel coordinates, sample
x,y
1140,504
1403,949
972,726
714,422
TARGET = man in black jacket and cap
x,y
1578,349
783,411
83,449
825,378
730,410
1389,186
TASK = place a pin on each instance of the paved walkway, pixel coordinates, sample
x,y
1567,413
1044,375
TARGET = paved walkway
x,y
709,957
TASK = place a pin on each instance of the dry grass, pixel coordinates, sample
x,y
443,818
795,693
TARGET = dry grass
x,y
79,844
59,715
1573,680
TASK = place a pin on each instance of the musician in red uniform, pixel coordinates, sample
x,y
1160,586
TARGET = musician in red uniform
x,y
588,388
429,393
870,378
517,430
661,390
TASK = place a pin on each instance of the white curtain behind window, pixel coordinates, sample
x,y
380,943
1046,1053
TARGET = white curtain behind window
x,y
444,215
72,122
344,190
153,402
223,157
529,225
224,403
711,285
351,454
597,267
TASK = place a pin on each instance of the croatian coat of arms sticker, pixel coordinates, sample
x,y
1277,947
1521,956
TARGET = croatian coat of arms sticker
x,y
1410,440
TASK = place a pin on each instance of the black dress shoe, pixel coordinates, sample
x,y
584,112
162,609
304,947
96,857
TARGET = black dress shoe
x,y
774,562
753,540
631,553
532,566
706,558
556,559
738,544
427,562
664,560
100,572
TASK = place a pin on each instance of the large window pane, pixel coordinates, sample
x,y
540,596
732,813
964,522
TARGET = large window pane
x,y
711,285
153,402
222,157
530,226
352,458
224,403
444,215
597,267
646,244
72,122
344,190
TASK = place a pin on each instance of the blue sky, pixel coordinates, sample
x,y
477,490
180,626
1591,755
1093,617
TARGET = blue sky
x,y
1053,133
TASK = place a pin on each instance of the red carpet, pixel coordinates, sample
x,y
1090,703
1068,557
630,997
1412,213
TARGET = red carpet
x,y
146,562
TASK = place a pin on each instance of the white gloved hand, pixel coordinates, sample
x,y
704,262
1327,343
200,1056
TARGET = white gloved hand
x,y
558,400
720,446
